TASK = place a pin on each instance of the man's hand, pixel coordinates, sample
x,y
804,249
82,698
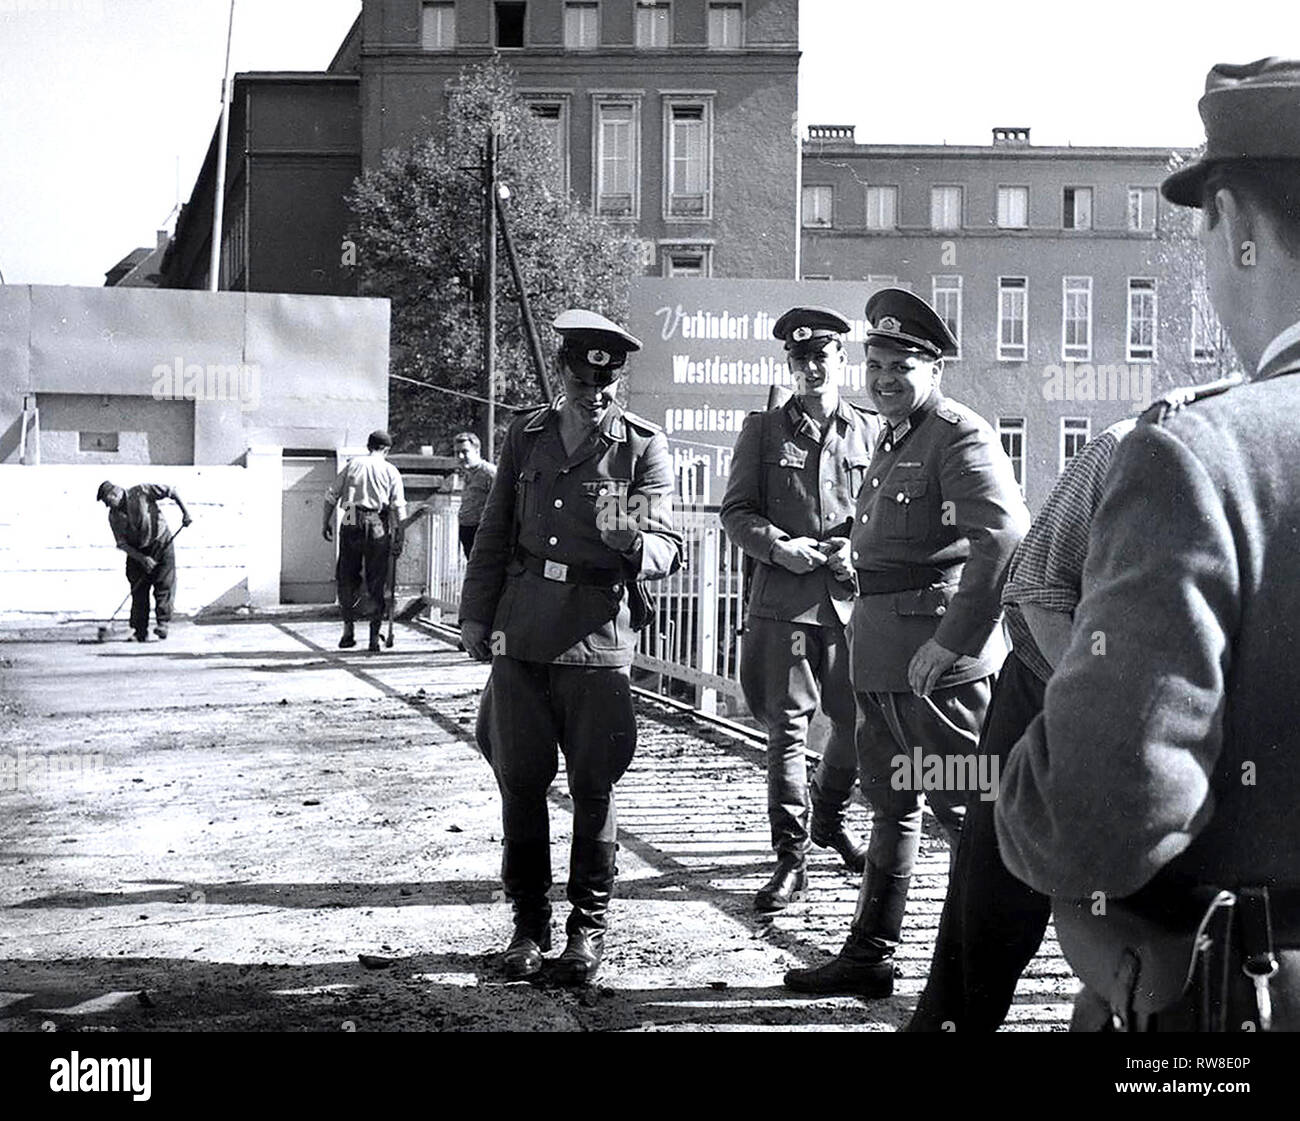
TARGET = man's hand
x,y
798,554
148,563
839,558
474,637
620,540
399,540
327,531
929,664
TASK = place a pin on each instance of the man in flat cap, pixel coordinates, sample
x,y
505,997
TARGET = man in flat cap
x,y
795,475
935,526
142,534
578,519
1154,798
369,490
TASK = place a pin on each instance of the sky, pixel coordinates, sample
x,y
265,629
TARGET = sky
x,y
105,105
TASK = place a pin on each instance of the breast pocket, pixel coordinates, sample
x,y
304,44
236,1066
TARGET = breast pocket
x,y
856,470
528,495
605,501
785,492
906,505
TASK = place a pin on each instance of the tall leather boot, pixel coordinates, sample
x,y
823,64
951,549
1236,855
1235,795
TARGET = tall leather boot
x,y
526,878
786,885
349,638
591,883
832,790
865,966
375,626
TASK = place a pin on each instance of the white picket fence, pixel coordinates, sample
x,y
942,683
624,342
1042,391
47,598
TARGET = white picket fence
x,y
692,646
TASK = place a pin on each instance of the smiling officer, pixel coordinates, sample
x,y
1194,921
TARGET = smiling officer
x,y
579,516
936,524
795,475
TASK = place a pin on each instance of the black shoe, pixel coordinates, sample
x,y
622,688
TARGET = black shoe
x,y
349,639
854,970
591,883
786,885
142,636
523,957
851,849
160,630
375,645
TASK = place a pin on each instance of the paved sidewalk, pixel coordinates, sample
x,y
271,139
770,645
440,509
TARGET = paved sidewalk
x,y
209,832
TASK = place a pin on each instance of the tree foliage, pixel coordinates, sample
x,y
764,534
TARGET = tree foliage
x,y
418,229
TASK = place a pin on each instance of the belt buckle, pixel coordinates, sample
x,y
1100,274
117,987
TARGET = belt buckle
x,y
553,570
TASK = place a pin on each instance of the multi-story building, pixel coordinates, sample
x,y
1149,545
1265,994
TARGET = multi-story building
x,y
1067,279
675,117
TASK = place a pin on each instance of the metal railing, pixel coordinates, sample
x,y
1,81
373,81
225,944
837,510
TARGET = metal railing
x,y
691,648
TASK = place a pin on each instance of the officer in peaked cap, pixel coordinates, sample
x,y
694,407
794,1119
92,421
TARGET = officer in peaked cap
x,y
1164,776
795,474
578,519
936,523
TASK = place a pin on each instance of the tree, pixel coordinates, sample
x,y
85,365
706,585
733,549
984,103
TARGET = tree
x,y
1182,276
418,230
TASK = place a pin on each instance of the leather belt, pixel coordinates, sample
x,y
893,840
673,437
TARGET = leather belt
x,y
909,579
570,573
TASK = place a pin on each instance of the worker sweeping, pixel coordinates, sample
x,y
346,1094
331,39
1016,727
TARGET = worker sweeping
x,y
143,535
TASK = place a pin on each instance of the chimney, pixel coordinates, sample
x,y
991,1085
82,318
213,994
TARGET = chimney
x,y
1007,136
163,239
840,133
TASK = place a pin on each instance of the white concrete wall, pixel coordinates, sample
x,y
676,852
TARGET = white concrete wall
x,y
58,558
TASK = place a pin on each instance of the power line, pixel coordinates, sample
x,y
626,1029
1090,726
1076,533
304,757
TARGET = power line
x,y
468,396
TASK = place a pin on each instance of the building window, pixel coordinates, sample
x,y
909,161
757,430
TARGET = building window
x,y
688,156
881,280
581,27
1205,332
1011,431
510,24
817,207
438,27
688,260
616,163
1013,208
1076,319
1076,431
726,27
1142,209
553,115
1141,319
946,301
1013,318
816,276
882,208
1077,208
945,208
654,24
97,441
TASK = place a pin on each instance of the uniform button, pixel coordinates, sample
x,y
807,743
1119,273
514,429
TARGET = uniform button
x,y
553,541
940,610
875,483
864,517
603,491
889,447
559,502
784,463
900,497
855,554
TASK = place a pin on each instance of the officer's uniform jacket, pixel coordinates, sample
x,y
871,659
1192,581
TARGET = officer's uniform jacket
x,y
543,508
1172,748
938,519
792,484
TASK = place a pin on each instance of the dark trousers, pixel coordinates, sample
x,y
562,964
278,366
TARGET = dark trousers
x,y
163,582
895,732
467,535
533,710
992,924
788,669
363,554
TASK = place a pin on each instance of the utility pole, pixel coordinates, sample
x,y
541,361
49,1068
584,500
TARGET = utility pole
x,y
219,189
490,281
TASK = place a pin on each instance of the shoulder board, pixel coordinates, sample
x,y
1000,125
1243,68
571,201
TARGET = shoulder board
x,y
948,413
1164,407
640,425
863,411
532,420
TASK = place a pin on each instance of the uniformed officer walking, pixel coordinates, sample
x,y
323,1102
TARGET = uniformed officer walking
x,y
795,475
579,517
374,503
936,524
1155,796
